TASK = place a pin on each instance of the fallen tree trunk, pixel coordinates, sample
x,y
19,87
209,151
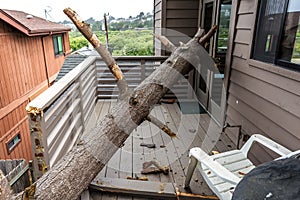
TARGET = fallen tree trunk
x,y
73,174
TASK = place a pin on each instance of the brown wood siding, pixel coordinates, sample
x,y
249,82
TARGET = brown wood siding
x,y
53,62
22,76
158,25
262,98
20,65
179,18
11,124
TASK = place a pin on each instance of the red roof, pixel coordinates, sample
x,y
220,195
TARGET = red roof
x,y
31,25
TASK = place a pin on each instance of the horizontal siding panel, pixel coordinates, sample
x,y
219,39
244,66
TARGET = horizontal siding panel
x,y
181,14
277,80
281,117
245,21
284,99
182,23
181,31
241,50
270,128
233,134
243,36
189,4
176,40
246,6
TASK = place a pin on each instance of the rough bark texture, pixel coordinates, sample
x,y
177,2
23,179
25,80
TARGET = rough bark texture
x,y
73,174
5,191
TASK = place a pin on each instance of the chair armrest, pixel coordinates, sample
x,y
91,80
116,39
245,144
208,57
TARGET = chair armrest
x,y
277,148
214,166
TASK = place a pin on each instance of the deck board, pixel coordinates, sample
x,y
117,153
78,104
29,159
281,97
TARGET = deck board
x,y
193,130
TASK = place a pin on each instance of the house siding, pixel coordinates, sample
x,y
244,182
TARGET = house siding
x,y
263,98
23,75
177,20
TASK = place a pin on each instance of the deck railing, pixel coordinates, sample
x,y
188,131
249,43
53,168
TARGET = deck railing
x,y
58,116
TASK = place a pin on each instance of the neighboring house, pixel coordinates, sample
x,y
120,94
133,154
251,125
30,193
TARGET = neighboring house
x,y
32,51
258,64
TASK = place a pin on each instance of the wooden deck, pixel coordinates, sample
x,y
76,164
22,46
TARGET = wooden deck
x,y
192,130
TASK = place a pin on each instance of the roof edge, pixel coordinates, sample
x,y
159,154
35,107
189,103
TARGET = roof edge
x,y
13,22
22,28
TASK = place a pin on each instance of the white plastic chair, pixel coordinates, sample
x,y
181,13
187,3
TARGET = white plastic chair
x,y
223,171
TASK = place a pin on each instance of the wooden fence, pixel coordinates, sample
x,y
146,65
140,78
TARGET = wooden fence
x,y
58,116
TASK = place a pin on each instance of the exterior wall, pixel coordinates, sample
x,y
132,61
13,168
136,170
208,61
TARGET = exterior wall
x,y
263,98
179,20
22,77
53,62
11,124
159,24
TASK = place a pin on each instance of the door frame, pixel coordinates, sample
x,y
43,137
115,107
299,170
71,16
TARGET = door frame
x,y
203,95
215,111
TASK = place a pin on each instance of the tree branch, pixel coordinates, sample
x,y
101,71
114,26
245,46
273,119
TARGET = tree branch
x,y
170,46
160,125
208,35
85,29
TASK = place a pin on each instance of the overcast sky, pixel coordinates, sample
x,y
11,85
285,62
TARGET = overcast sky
x,y
85,8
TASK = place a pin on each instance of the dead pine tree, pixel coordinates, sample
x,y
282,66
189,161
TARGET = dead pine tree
x,y
75,171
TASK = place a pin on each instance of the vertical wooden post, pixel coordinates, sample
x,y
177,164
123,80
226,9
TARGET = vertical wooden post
x,y
80,89
143,70
39,141
190,80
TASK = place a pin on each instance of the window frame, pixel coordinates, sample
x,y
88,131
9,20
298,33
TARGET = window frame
x,y
276,58
17,136
56,44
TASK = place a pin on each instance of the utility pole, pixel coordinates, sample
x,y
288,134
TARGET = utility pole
x,y
106,29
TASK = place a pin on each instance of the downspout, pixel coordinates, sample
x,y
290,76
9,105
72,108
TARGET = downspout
x,y
45,61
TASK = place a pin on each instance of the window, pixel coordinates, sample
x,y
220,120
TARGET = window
x,y
223,32
278,33
11,144
58,45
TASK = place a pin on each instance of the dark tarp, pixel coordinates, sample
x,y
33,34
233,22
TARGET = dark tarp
x,y
274,180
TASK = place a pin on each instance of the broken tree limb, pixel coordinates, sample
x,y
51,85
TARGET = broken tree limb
x,y
153,167
160,125
170,46
86,30
208,35
75,171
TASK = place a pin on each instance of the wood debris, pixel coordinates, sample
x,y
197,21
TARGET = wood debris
x,y
153,167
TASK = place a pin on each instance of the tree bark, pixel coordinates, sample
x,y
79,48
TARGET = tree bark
x,y
73,174
5,191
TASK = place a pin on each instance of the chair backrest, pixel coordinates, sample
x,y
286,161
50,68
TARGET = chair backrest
x,y
277,148
294,153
